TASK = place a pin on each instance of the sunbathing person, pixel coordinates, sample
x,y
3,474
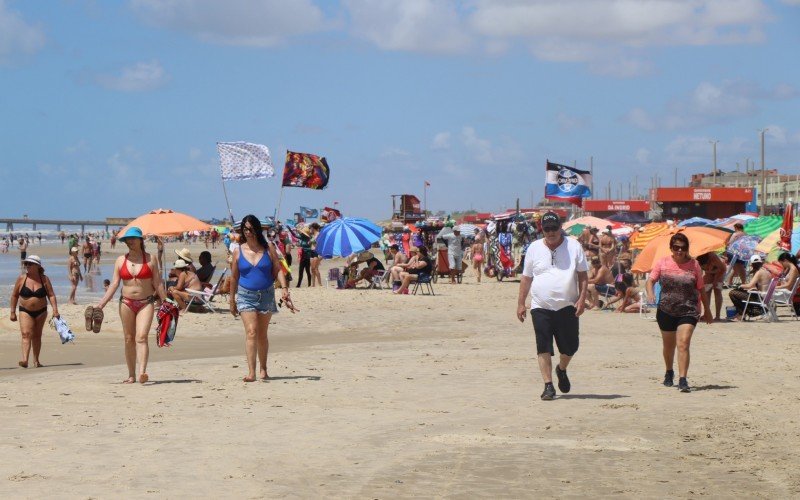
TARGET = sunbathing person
x,y
601,281
401,264
187,280
631,300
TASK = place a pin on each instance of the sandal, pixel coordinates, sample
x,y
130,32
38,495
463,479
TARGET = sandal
x,y
87,315
97,320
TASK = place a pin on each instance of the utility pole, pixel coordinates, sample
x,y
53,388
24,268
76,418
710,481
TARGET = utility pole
x,y
763,176
714,144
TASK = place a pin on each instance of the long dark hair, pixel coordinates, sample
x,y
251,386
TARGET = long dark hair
x,y
256,225
787,256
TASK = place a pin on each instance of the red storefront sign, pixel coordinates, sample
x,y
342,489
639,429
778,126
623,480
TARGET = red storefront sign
x,y
616,205
676,194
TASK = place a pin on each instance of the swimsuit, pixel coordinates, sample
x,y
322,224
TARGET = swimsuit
x,y
136,305
39,293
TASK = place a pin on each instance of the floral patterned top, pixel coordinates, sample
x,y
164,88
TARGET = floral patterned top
x,y
681,285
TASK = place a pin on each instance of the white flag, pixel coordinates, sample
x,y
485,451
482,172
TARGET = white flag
x,y
244,160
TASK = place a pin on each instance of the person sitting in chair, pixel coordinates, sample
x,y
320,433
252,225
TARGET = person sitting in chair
x,y
373,266
414,269
601,282
206,270
187,280
760,281
401,263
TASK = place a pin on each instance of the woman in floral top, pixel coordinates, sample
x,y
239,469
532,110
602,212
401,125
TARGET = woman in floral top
x,y
681,282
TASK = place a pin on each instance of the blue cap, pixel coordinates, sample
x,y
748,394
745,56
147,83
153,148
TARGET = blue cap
x,y
132,232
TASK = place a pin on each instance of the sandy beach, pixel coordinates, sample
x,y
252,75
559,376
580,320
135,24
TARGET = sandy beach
x,y
381,396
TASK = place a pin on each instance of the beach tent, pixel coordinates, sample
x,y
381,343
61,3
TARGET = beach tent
x,y
763,226
701,240
640,239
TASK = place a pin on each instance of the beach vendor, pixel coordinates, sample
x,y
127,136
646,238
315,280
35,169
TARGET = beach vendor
x,y
254,269
455,252
555,275
140,276
32,291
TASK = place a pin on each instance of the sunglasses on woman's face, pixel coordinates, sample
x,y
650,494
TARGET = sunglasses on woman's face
x,y
27,264
248,229
679,248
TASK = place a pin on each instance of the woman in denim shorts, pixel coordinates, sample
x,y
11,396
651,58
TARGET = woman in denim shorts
x,y
254,268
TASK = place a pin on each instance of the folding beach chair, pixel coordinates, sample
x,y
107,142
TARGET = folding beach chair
x,y
381,277
203,297
762,300
729,270
334,274
423,279
647,310
781,301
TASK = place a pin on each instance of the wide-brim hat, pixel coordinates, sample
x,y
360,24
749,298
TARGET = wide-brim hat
x,y
73,249
33,259
365,256
184,254
180,264
413,249
132,232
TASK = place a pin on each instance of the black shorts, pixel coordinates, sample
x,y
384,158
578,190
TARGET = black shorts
x,y
561,325
22,255
669,323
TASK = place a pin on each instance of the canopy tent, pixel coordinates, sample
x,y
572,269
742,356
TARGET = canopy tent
x,y
701,240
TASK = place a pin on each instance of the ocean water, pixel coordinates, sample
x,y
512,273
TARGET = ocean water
x,y
89,290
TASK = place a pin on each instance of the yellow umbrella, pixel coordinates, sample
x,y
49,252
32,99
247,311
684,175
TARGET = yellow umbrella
x,y
165,222
640,239
701,240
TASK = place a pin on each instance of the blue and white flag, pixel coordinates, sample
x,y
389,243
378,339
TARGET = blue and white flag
x,y
567,183
244,161
309,213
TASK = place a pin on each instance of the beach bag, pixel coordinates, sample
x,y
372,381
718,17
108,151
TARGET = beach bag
x,y
167,323
61,327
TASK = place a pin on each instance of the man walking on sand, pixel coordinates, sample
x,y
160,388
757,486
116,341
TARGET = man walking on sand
x,y
555,275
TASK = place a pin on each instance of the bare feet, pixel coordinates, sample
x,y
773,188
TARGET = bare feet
x,y
37,364
23,364
143,378
262,374
249,378
129,380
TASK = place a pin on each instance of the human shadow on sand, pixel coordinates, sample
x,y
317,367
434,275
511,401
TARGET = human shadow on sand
x,y
713,387
591,396
294,377
43,366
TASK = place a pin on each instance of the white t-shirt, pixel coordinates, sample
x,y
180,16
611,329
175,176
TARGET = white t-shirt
x,y
554,273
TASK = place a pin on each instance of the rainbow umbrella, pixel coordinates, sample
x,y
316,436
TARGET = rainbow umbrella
x,y
701,240
640,239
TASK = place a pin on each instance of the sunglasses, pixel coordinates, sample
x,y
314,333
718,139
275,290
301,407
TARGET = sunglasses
x,y
679,248
551,229
28,264
248,229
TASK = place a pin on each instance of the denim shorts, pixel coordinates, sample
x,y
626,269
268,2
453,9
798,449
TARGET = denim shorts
x,y
260,301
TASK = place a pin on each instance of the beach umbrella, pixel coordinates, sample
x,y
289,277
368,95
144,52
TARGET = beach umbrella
x,y
346,236
640,239
467,229
575,229
744,247
701,240
165,222
762,226
590,221
695,221
785,242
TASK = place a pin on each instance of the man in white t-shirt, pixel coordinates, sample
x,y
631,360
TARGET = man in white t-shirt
x,y
556,276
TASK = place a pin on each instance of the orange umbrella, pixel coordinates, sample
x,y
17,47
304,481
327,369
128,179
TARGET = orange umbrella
x,y
701,240
165,222
641,238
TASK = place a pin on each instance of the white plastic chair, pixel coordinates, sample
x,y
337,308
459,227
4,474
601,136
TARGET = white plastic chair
x,y
204,297
781,301
380,277
764,300
647,310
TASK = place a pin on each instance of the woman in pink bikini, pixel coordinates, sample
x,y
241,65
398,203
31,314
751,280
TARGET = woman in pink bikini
x,y
141,287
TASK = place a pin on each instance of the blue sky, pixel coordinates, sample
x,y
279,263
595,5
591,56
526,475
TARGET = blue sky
x,y
114,108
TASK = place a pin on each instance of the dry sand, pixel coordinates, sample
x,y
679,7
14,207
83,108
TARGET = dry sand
x,y
382,396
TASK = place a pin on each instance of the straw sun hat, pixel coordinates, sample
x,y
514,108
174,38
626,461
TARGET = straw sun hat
x,y
184,254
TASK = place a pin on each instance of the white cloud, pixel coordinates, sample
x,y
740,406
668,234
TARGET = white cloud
x,y
709,103
256,23
777,133
621,67
480,149
16,35
411,25
567,123
137,77
395,154
689,150
441,141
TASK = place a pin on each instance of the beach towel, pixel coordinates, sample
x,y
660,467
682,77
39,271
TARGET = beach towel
x,y
61,327
167,322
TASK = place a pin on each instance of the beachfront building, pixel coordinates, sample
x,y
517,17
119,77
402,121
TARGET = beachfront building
x,y
709,203
780,188
614,208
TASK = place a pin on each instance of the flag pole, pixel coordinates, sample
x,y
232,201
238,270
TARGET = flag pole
x,y
425,198
225,192
278,208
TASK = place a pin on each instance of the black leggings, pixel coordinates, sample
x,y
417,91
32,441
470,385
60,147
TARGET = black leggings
x,y
305,263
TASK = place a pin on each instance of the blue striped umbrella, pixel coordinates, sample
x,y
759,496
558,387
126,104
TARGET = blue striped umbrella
x,y
346,236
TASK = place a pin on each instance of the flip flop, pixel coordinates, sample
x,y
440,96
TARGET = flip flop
x,y
97,320
87,315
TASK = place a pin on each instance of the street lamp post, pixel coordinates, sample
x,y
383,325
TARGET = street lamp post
x,y
714,144
763,177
